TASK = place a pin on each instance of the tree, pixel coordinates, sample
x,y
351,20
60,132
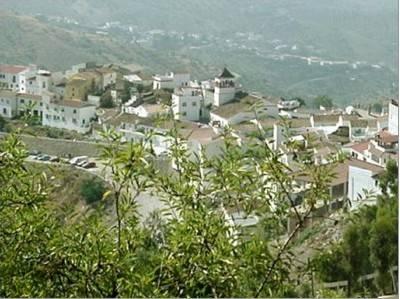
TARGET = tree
x,y
369,242
377,107
106,101
324,101
199,253
2,123
92,190
388,182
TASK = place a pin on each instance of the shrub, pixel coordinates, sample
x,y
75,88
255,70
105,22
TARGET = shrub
x,y
92,190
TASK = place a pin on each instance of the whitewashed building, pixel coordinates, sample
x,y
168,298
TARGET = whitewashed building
x,y
13,77
70,115
394,117
186,103
242,110
146,110
8,104
38,82
171,80
225,88
363,177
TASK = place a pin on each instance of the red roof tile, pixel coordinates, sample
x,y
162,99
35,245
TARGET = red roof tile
x,y
12,69
360,147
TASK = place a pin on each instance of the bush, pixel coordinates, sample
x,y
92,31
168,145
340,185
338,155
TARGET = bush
x,y
2,123
324,101
92,190
106,101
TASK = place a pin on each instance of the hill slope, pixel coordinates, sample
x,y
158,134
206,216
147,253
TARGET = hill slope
x,y
267,42
28,40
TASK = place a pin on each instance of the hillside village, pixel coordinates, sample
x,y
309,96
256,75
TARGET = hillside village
x,y
89,98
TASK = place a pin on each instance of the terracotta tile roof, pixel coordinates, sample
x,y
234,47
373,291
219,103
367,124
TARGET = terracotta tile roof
x,y
154,108
202,135
363,123
375,169
360,147
73,104
341,171
12,69
29,96
386,137
326,119
231,109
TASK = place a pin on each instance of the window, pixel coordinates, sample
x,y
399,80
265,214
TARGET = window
x,y
194,104
183,113
14,79
83,121
63,118
74,111
41,104
22,101
184,105
74,120
4,111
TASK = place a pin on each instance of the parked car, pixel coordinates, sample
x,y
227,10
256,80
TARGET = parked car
x,y
54,159
44,158
76,160
88,165
81,163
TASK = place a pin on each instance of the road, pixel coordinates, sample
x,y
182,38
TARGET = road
x,y
147,203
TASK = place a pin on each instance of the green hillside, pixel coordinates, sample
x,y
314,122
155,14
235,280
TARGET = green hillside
x,y
27,40
247,35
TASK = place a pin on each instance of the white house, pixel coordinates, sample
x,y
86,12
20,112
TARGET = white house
x,y
171,80
13,77
363,176
70,115
241,110
147,110
139,79
38,82
186,103
394,117
361,129
109,76
8,103
225,89
29,101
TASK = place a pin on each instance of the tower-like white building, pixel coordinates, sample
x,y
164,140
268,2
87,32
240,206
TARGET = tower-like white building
x,y
394,117
187,103
224,88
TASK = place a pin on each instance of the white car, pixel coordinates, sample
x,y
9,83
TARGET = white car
x,y
77,160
